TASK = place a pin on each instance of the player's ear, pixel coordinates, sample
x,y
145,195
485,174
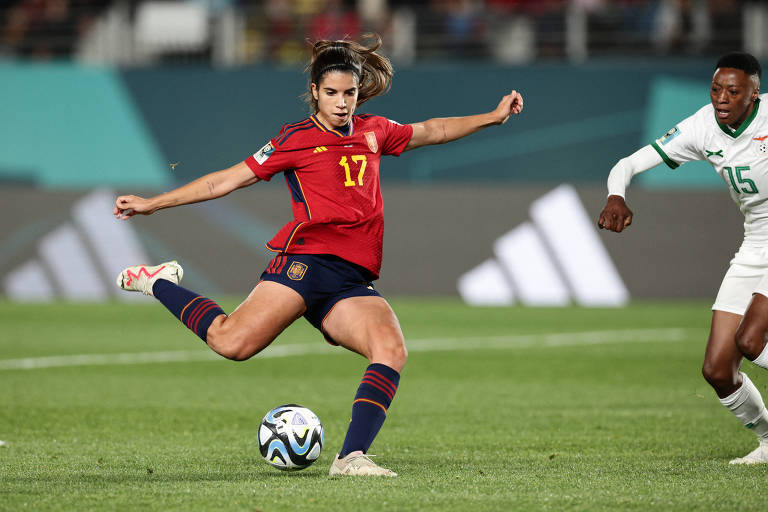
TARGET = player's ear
x,y
314,92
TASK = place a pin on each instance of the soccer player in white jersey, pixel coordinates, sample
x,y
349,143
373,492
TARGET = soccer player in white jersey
x,y
731,134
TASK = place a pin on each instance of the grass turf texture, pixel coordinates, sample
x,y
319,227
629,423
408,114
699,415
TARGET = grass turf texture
x,y
604,426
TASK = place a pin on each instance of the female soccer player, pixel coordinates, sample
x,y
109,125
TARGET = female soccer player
x,y
328,256
729,133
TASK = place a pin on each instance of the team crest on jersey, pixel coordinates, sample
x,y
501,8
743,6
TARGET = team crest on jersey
x,y
373,144
297,270
262,154
762,145
671,134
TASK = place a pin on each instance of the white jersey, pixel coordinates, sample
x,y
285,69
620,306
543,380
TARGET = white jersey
x,y
740,157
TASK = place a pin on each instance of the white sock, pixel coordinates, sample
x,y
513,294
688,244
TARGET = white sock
x,y
747,405
762,359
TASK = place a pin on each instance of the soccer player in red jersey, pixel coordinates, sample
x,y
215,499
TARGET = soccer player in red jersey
x,y
329,254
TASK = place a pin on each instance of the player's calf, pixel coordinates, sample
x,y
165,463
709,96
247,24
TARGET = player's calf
x,y
747,405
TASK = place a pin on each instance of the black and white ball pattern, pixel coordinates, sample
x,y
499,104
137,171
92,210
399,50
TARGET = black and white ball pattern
x,y
291,437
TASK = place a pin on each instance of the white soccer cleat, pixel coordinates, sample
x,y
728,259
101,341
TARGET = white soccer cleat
x,y
140,278
358,464
757,456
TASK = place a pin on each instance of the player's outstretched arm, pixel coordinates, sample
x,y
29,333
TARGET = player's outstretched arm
x,y
616,215
446,129
210,186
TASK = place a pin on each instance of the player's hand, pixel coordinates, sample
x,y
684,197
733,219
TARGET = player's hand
x,y
128,206
615,216
510,104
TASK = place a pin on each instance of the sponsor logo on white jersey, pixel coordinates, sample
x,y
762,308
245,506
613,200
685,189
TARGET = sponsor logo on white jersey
x,y
762,145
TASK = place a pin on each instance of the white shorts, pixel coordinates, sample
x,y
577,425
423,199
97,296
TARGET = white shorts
x,y
747,275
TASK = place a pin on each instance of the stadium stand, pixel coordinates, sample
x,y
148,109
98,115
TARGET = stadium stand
x,y
241,32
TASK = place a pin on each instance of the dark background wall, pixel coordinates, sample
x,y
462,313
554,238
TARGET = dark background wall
x,y
679,245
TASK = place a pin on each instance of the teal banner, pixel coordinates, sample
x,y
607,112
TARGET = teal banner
x,y
67,126
64,126
671,101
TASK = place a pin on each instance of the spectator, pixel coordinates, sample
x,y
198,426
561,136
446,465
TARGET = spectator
x,y
337,19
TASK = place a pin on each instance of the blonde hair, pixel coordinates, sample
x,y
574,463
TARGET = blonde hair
x,y
374,71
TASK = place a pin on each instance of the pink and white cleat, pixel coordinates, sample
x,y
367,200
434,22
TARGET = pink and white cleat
x,y
140,278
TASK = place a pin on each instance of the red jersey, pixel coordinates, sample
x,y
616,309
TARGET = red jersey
x,y
334,184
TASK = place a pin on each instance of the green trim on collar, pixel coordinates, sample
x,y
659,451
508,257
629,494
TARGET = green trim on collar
x,y
671,163
743,126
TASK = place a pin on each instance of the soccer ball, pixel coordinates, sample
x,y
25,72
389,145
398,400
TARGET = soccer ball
x,y
291,437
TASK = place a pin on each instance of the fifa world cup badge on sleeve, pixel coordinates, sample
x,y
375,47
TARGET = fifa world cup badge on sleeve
x,y
297,270
262,154
671,134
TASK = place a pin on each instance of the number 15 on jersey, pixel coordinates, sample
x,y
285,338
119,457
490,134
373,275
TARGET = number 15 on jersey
x,y
749,185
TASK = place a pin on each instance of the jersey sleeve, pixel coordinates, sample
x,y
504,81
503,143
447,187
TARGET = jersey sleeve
x,y
269,160
396,137
679,145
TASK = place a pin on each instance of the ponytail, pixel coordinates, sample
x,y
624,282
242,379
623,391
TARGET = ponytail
x,y
373,71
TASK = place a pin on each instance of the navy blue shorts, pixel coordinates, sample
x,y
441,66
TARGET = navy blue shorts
x,y
322,280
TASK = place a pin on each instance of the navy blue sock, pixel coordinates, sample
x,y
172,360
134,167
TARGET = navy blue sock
x,y
369,410
194,311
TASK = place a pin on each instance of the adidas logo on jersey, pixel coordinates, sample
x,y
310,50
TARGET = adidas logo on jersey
x,y
320,149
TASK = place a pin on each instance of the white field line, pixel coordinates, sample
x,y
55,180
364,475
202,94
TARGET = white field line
x,y
561,339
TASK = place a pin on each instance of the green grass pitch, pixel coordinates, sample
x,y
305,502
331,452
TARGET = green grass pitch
x,y
498,409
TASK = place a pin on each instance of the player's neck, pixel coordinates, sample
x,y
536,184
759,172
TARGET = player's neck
x,y
735,126
344,130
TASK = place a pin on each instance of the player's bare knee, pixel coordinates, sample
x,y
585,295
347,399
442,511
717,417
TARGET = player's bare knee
x,y
235,351
719,377
750,341
393,353
398,354
221,343
402,354
230,342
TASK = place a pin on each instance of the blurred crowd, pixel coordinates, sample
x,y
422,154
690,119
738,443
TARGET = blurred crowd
x,y
503,30
45,29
